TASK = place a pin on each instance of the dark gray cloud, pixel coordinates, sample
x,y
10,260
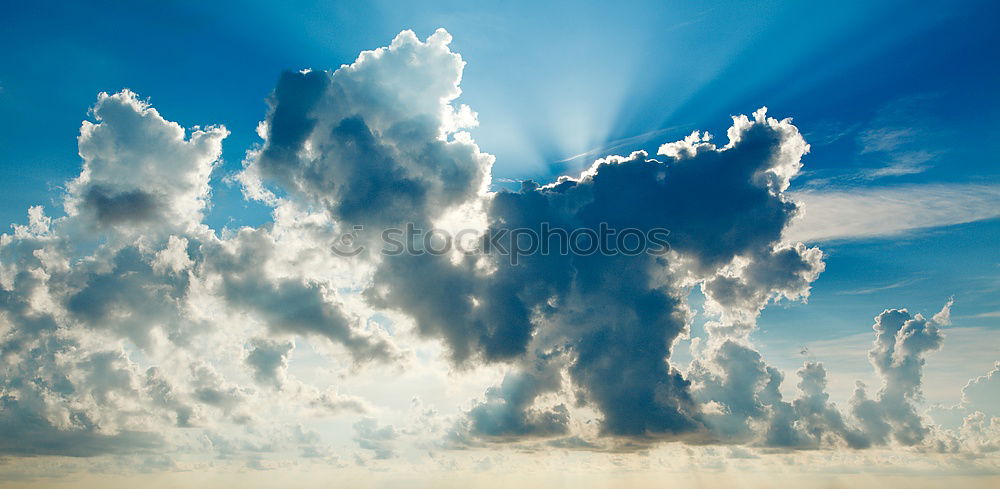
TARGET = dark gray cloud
x,y
620,314
508,412
616,315
124,207
25,432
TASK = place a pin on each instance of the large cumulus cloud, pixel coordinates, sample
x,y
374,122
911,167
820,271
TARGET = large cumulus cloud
x,y
613,318
115,316
616,316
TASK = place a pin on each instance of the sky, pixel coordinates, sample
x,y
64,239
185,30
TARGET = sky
x,y
179,177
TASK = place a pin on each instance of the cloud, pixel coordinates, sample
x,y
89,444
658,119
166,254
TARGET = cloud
x,y
983,393
818,418
879,212
269,359
368,141
59,400
619,144
901,341
333,402
507,411
909,163
885,138
880,288
738,293
902,135
616,315
738,388
140,169
990,314
26,432
744,403
379,439
128,325
384,154
979,395
108,314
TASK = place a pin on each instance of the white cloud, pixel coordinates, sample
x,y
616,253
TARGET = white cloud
x,y
140,169
878,212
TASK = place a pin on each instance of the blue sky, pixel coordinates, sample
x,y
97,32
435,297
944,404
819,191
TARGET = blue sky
x,y
897,100
674,66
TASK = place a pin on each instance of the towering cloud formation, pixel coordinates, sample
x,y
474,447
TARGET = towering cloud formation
x,y
381,154
128,316
901,341
618,314
375,142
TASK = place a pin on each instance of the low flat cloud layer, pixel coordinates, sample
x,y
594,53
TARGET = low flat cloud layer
x,y
128,326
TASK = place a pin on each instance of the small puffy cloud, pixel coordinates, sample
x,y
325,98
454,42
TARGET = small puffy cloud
x,y
268,360
369,435
818,417
140,169
738,293
332,402
211,388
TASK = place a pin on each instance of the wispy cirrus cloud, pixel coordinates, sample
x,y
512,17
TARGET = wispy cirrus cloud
x,y
874,212
880,288
619,144
989,314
